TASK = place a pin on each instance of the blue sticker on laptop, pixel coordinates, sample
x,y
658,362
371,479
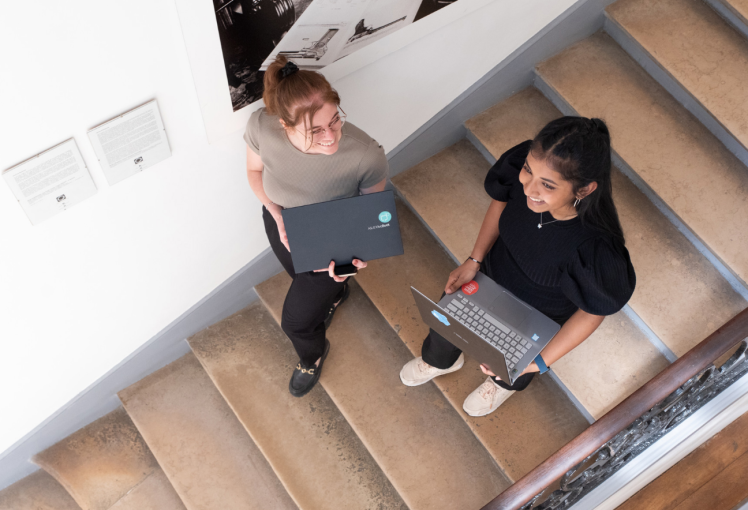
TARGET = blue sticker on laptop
x,y
535,337
441,317
385,216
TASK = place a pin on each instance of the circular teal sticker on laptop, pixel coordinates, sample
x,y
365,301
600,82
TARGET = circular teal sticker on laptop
x,y
384,216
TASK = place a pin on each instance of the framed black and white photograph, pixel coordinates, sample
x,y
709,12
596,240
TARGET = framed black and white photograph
x,y
231,42
249,31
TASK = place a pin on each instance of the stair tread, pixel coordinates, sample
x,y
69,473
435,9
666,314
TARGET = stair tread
x,y
512,121
671,298
698,48
38,491
415,436
449,192
615,361
663,143
740,7
199,443
249,359
101,462
679,293
527,428
153,493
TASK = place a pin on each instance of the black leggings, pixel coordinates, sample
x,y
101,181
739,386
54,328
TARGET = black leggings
x,y
308,300
439,352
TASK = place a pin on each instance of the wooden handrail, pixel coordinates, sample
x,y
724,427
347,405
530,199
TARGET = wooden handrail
x,y
623,415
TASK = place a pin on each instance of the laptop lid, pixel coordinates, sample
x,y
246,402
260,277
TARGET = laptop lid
x,y
364,227
443,323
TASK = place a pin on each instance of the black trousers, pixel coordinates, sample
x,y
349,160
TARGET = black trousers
x,y
308,300
439,352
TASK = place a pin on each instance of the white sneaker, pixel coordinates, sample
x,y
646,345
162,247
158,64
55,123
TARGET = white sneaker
x,y
485,399
417,372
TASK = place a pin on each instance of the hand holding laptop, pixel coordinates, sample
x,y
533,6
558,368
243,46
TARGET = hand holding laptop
x,y
462,275
360,264
487,370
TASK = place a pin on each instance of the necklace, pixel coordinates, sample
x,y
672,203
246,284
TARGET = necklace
x,y
540,225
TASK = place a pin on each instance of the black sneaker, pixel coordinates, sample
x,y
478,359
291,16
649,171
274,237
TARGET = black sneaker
x,y
303,379
331,312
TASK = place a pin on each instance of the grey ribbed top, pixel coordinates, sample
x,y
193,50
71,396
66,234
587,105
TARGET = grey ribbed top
x,y
292,178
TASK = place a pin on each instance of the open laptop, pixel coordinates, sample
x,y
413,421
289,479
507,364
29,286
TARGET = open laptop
x,y
364,227
490,324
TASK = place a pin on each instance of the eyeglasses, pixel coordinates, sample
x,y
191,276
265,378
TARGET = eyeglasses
x,y
335,125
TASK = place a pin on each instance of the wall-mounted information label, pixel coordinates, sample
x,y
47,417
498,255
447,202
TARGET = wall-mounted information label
x,y
130,143
51,181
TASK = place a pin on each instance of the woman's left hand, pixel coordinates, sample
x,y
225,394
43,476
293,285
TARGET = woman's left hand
x,y
360,264
532,367
484,368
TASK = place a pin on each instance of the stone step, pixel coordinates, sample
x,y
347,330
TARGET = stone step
x,y
312,449
421,444
38,491
107,462
674,156
671,298
208,457
154,493
614,362
679,294
694,45
739,7
528,427
499,128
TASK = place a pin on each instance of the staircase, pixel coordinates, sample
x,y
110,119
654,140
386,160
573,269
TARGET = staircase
x,y
217,429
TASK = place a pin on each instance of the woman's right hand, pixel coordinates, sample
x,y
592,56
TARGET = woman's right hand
x,y
460,276
275,210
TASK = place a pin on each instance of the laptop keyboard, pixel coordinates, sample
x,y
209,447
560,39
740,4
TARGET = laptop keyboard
x,y
510,343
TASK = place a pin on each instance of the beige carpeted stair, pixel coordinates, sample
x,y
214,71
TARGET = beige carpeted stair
x,y
107,463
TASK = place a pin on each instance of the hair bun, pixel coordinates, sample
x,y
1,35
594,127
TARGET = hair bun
x,y
288,69
600,126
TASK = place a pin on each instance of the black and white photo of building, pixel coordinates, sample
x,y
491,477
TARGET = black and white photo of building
x,y
250,30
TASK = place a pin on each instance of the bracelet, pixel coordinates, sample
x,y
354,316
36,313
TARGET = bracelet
x,y
270,203
476,261
540,362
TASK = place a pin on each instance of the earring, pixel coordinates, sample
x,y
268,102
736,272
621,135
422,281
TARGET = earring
x,y
576,203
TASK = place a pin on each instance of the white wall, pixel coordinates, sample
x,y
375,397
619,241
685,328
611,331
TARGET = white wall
x,y
83,290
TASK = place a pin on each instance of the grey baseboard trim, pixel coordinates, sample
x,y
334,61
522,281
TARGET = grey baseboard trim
x,y
734,280
510,76
731,16
168,345
651,335
481,148
574,400
675,88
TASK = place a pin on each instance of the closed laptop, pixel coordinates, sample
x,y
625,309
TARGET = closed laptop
x,y
364,227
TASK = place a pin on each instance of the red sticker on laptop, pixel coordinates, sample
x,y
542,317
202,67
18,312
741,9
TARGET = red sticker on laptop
x,y
470,288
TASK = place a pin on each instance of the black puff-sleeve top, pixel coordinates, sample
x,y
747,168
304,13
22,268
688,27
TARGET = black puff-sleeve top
x,y
559,268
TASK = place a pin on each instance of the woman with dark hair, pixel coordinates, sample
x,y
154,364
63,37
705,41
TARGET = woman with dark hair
x,y
301,151
551,236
